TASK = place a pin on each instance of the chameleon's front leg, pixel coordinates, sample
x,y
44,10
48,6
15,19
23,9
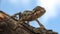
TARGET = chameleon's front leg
x,y
41,26
17,16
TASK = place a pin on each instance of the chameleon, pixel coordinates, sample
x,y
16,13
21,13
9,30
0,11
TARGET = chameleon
x,y
28,15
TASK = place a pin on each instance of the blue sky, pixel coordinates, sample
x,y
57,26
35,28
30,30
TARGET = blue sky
x,y
51,19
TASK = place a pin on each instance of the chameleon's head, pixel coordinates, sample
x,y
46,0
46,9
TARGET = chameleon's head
x,y
39,8
38,12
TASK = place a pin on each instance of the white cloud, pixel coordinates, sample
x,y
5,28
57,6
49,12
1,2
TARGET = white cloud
x,y
49,5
